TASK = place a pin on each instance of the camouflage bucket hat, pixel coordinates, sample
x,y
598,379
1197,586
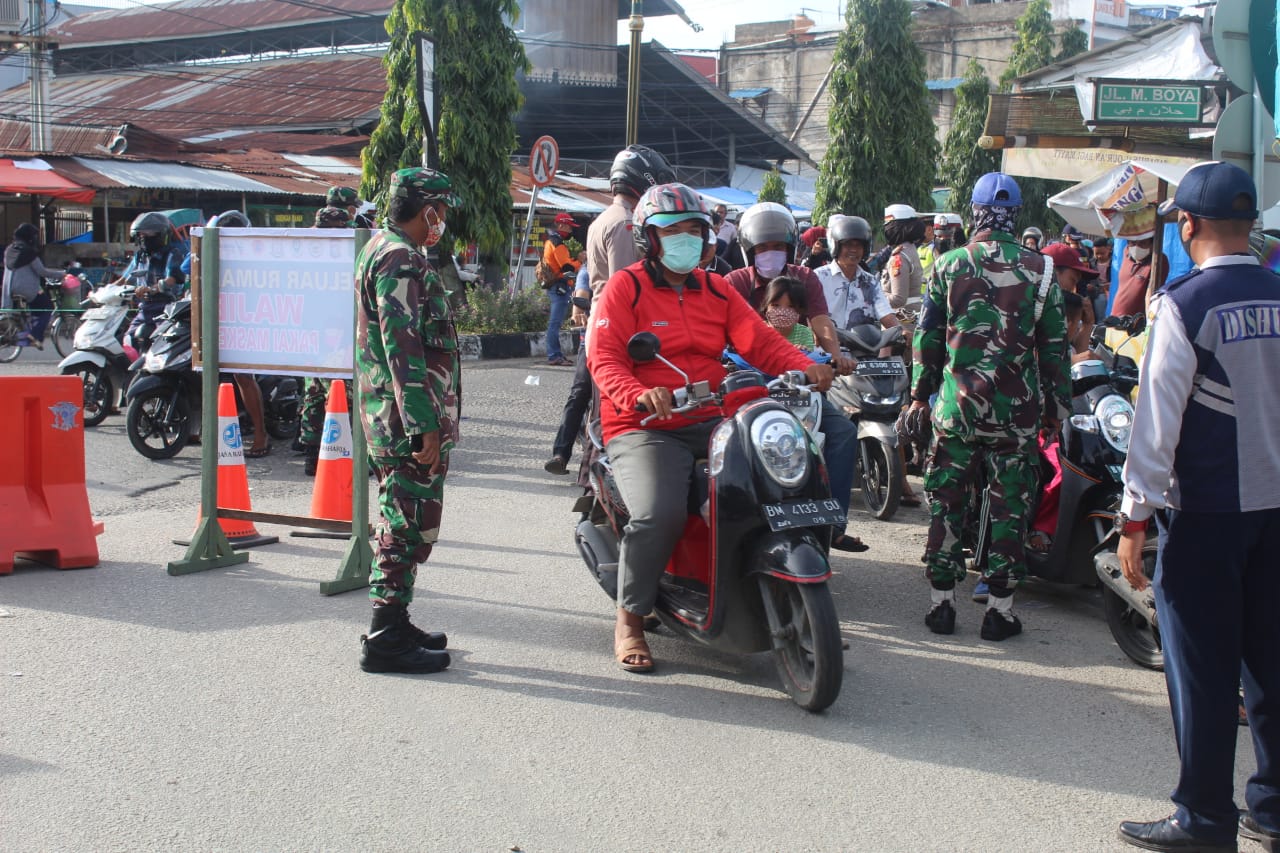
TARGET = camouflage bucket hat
x,y
332,217
425,184
341,197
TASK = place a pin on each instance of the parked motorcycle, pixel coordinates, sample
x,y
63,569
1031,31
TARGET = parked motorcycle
x,y
1092,451
99,357
873,395
750,572
164,397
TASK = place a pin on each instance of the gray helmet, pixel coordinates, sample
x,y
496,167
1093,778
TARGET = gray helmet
x,y
1033,232
841,228
767,222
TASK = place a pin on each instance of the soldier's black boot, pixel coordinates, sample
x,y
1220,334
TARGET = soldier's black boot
x,y
435,640
312,460
942,618
391,647
1000,623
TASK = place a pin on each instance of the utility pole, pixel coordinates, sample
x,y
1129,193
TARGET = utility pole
x,y
40,141
636,26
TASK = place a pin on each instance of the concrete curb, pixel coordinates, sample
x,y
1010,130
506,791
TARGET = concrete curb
x,y
516,345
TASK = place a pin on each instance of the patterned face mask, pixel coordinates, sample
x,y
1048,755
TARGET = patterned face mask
x,y
436,224
782,318
994,218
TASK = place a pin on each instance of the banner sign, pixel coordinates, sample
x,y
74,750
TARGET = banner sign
x,y
1144,102
286,301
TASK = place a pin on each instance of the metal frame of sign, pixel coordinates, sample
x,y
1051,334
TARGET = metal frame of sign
x,y
1201,85
428,103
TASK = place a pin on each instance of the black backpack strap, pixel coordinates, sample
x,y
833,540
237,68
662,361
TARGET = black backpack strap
x,y
635,300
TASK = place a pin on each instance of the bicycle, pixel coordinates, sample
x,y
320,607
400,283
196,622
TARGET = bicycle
x,y
61,329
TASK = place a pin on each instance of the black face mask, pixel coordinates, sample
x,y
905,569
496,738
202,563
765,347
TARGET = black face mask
x,y
716,219
944,244
153,244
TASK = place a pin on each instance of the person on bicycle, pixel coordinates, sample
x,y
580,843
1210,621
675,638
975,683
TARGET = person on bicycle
x,y
694,314
156,270
23,273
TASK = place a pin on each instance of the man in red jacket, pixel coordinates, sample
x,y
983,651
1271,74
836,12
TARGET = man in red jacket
x,y
694,314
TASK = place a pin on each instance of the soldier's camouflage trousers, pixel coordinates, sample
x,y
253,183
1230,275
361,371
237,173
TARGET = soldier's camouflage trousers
x,y
411,502
314,399
957,470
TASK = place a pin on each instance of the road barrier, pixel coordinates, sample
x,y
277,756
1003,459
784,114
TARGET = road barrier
x,y
44,505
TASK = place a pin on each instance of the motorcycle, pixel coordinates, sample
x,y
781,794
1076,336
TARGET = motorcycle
x,y
750,572
164,398
872,396
1092,449
99,357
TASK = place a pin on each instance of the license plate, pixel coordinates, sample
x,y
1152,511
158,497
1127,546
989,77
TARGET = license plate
x,y
867,367
787,515
790,399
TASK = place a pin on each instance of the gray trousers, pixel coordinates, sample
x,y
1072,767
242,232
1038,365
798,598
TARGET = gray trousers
x,y
653,469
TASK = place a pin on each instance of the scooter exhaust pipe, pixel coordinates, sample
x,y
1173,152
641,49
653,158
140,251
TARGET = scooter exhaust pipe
x,y
600,555
1107,565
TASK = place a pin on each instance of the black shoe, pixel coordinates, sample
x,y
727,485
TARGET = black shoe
x,y
1250,829
433,640
942,618
393,649
996,627
556,465
313,462
1167,835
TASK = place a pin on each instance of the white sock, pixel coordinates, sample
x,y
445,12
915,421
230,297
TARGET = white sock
x,y
1003,606
940,595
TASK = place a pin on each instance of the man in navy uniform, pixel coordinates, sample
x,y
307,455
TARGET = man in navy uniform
x,y
1204,459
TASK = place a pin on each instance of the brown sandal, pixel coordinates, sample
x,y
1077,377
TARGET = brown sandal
x,y
630,649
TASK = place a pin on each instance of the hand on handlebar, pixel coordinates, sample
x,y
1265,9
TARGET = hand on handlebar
x,y
845,364
820,375
656,400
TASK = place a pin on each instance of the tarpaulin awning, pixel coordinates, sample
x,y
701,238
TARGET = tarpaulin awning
x,y
37,177
1119,202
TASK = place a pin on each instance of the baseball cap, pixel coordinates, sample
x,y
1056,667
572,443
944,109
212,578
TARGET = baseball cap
x,y
1065,256
564,219
1210,190
996,189
900,211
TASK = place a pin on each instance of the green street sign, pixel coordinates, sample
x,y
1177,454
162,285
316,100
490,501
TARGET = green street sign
x,y
1148,102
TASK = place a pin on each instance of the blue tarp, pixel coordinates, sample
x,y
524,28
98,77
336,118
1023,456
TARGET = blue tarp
x,y
740,198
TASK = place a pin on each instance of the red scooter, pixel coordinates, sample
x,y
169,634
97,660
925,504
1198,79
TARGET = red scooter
x,y
750,572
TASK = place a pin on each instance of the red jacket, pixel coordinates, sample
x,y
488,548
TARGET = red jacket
x,y
694,325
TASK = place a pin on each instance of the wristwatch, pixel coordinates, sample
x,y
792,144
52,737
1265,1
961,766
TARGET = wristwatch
x,y
1123,524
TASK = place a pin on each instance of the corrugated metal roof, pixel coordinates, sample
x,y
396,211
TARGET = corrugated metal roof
x,y
738,94
325,93
15,138
173,176
943,85
201,17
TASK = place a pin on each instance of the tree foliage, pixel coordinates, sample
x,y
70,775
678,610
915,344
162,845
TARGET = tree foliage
x,y
883,149
963,162
1075,41
477,60
773,189
1034,46
1034,50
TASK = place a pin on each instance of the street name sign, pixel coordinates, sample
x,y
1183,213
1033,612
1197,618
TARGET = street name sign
x,y
1148,102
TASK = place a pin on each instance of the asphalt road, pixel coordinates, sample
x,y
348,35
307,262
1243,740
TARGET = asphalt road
x,y
225,710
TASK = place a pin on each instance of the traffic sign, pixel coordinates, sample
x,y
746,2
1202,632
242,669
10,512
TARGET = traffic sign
x,y
543,161
1147,102
1233,142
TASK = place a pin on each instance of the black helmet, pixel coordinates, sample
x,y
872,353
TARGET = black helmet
x,y
151,223
767,222
665,204
636,168
230,219
841,228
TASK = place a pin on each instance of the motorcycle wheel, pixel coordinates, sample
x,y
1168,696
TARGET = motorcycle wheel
x,y
9,329
806,640
154,431
1135,636
99,394
63,332
881,478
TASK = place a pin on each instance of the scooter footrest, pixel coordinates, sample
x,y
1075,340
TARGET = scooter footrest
x,y
685,594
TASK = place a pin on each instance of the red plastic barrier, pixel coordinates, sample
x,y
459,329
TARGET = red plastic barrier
x,y
44,506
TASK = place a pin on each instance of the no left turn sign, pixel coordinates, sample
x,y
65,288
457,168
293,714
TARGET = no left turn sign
x,y
543,161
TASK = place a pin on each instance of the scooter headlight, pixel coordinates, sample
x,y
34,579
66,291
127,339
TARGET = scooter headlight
x,y
782,446
1115,421
719,443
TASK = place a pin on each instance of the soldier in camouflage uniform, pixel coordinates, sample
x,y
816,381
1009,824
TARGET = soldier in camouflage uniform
x,y
315,395
343,198
991,343
407,367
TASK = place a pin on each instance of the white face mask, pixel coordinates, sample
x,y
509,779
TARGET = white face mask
x,y
1138,253
770,264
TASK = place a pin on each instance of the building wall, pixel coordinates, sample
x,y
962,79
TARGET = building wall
x,y
587,36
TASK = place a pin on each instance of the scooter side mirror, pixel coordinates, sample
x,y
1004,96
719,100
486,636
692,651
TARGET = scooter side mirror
x,y
1138,323
643,346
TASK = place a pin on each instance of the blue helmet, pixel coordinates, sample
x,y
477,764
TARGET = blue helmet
x,y
996,189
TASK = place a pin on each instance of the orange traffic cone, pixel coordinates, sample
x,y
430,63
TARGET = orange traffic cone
x,y
332,495
233,479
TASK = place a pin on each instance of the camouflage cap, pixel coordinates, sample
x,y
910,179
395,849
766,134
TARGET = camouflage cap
x,y
332,217
425,184
341,197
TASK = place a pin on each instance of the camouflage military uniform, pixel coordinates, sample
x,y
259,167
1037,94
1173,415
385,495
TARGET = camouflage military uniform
x,y
315,394
407,367
998,373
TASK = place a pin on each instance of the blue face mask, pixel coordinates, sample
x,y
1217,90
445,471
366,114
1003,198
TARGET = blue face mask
x,y
682,252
